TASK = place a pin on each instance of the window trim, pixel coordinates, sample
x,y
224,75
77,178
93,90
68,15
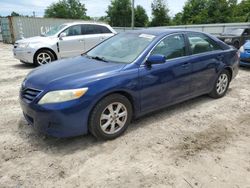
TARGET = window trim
x,y
143,64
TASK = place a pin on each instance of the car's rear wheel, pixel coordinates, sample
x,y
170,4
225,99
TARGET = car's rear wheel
x,y
43,57
221,85
110,117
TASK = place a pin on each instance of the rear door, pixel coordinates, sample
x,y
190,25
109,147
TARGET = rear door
x,y
94,34
205,57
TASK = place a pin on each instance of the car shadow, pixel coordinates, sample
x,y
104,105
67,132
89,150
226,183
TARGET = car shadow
x,y
65,146
23,66
245,68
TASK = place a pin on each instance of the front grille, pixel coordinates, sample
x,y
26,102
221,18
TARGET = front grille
x,y
248,50
28,94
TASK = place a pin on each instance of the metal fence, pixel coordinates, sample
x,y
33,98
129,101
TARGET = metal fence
x,y
14,28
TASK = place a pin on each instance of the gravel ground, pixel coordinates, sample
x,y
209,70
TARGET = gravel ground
x,y
199,143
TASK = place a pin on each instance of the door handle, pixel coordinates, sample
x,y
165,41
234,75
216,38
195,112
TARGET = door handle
x,y
81,40
220,57
185,65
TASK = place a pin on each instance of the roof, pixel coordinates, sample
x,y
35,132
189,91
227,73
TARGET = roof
x,y
156,31
85,22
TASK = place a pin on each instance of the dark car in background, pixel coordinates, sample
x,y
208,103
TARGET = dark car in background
x,y
235,36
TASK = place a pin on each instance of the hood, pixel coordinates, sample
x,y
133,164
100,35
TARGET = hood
x,y
37,39
71,73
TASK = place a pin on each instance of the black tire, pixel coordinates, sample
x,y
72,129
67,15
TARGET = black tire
x,y
215,93
95,117
48,52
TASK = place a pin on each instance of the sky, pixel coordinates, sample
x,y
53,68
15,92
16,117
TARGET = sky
x,y
95,8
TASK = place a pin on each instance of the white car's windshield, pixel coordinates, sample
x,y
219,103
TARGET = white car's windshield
x,y
122,48
54,30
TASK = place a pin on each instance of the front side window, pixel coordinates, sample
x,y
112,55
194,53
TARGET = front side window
x,y
73,30
200,43
171,47
54,30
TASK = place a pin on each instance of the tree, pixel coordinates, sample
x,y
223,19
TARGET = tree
x,y
218,11
177,19
13,13
160,13
72,9
195,12
242,12
141,17
119,13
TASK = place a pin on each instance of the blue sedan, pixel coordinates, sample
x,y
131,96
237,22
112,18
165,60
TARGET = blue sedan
x,y
245,54
125,77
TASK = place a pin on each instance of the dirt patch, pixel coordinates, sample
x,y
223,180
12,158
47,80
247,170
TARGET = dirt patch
x,y
214,138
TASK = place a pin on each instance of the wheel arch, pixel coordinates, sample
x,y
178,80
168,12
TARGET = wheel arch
x,y
45,48
229,69
121,92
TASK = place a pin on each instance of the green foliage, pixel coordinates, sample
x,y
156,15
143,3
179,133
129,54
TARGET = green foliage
x,y
214,11
242,11
195,12
177,19
13,13
119,13
72,9
141,17
160,13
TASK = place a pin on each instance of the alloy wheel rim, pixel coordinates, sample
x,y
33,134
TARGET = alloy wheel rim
x,y
113,118
222,83
43,58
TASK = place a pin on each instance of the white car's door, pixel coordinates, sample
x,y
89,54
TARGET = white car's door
x,y
94,34
73,43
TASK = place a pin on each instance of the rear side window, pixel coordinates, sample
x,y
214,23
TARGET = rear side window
x,y
171,47
200,43
88,29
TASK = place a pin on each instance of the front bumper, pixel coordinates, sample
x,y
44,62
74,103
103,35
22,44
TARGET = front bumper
x,y
245,59
58,120
24,54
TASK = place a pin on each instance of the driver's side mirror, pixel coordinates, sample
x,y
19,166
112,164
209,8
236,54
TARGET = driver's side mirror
x,y
63,34
156,59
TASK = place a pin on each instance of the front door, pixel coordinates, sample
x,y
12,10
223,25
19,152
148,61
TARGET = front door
x,y
167,83
73,43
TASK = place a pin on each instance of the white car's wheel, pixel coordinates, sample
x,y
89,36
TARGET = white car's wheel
x,y
43,57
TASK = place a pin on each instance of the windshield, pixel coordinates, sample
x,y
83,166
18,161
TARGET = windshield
x,y
236,32
54,30
122,48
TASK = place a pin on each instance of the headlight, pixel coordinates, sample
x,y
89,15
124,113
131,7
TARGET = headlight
x,y
62,95
23,45
242,49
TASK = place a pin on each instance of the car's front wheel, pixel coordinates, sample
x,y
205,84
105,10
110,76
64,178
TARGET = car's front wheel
x,y
110,117
43,57
221,86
